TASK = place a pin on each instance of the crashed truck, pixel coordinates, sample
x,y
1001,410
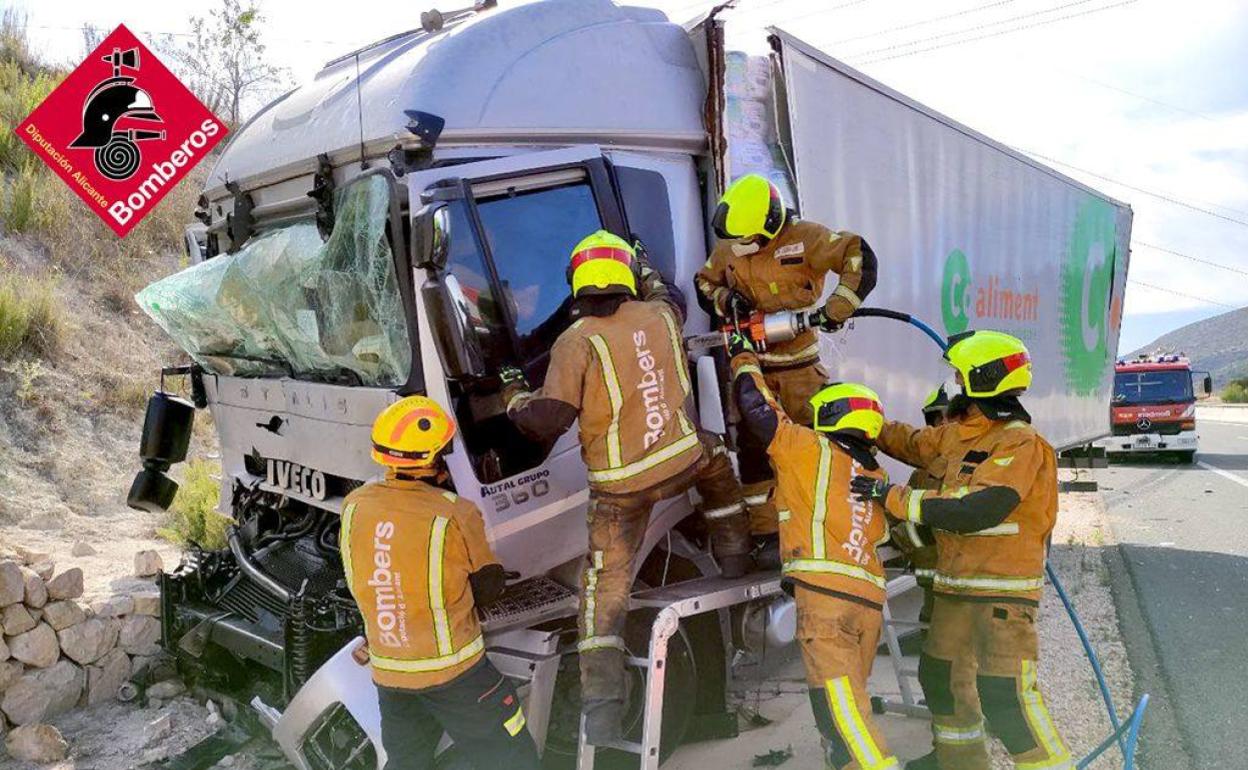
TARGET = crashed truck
x,y
401,225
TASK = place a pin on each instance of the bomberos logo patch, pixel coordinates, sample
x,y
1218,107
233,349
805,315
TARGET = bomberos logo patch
x,y
121,130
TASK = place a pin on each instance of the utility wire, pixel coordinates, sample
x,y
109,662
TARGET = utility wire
x,y
1150,193
1208,262
819,12
1134,282
923,22
999,33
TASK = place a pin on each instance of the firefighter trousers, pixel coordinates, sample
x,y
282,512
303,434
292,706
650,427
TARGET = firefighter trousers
x,y
838,637
993,644
793,388
617,525
480,712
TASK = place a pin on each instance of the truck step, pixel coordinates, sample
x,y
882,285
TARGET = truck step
x,y
529,602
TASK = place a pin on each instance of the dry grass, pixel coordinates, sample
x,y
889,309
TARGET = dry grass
x,y
30,321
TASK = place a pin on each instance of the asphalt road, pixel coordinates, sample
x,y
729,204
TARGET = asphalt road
x,y
1183,535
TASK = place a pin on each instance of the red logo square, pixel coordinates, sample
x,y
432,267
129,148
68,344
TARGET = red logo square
x,y
121,130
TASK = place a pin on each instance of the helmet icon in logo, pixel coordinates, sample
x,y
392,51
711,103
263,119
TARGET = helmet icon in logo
x,y
116,152
1143,423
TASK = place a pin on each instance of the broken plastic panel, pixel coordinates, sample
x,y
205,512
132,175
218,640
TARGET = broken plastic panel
x,y
289,304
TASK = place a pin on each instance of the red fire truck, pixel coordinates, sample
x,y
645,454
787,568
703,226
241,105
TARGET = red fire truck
x,y
1154,406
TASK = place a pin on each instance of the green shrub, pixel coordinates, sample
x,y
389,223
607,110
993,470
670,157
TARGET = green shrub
x,y
1235,393
29,318
20,93
193,516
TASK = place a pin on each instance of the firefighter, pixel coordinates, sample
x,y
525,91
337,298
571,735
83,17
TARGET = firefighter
x,y
621,369
417,562
916,541
828,544
993,516
769,260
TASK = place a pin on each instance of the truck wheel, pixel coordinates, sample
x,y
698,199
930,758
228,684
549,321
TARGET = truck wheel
x,y
1187,457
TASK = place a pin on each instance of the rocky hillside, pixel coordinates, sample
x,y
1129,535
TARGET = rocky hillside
x,y
1218,345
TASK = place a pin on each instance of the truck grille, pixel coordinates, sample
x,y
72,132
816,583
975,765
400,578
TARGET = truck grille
x,y
1162,428
246,599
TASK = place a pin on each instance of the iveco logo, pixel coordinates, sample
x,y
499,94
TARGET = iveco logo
x,y
296,478
1143,423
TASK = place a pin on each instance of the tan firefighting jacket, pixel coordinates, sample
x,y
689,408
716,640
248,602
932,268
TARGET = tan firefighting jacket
x,y
627,379
788,274
827,537
407,550
1005,560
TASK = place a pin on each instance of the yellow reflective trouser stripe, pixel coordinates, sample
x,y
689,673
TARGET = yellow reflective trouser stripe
x,y
828,566
678,349
783,514
914,506
1041,723
437,597
818,541
685,426
344,545
913,533
992,583
677,447
591,587
600,642
923,572
723,512
958,735
426,665
853,728
617,399
848,294
748,369
809,351
755,499
515,724
1008,528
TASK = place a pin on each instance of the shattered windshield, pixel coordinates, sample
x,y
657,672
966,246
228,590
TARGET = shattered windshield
x,y
290,304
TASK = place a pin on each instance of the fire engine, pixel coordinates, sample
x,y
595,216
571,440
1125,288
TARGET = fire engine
x,y
1154,406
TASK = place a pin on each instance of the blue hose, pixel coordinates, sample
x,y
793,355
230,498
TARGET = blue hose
x,y
1132,727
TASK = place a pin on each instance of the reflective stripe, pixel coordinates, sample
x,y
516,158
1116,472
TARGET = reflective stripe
x,y
591,586
521,396
958,735
912,532
1040,722
600,643
756,499
848,294
344,545
783,514
426,665
673,449
724,512
686,427
1004,461
852,727
810,351
678,348
1016,424
827,566
924,572
819,544
514,725
748,369
437,600
775,289
992,583
617,400
914,502
1008,528
450,496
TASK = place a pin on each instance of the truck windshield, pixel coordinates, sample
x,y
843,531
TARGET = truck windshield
x,y
1160,387
290,304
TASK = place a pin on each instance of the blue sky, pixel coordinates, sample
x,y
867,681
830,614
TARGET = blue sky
x,y
1150,93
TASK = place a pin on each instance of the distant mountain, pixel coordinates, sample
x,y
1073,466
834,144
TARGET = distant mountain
x,y
1218,345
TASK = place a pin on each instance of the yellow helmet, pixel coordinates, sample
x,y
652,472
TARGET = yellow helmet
x,y
991,363
602,263
751,206
411,432
936,401
848,406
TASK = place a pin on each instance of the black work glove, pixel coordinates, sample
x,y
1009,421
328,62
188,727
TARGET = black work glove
x,y
739,343
512,376
737,305
866,488
819,319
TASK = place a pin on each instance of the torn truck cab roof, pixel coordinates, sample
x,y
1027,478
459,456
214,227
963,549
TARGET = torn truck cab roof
x,y
550,72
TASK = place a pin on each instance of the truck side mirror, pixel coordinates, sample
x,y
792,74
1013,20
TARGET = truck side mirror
x,y
1208,384
431,237
457,340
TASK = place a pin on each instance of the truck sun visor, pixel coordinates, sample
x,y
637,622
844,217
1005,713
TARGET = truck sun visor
x,y
287,303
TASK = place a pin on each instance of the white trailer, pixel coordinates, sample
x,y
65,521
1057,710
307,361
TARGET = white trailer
x,y
401,225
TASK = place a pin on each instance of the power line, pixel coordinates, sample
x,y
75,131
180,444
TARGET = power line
x,y
1134,282
998,33
1210,263
932,20
819,12
1151,193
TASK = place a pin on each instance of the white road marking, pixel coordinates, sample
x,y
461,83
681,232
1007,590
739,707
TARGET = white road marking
x,y
1224,474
